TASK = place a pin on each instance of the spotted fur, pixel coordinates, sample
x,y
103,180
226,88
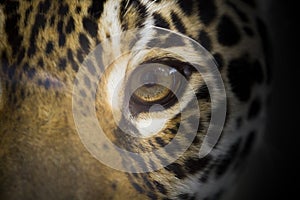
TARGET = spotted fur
x,y
43,44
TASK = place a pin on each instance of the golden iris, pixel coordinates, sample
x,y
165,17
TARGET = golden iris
x,y
153,82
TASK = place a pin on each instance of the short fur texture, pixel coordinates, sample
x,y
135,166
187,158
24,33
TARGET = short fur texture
x,y
42,46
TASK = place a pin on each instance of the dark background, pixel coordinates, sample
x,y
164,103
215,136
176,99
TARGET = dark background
x,y
273,172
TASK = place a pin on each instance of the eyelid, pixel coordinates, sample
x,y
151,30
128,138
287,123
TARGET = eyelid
x,y
153,55
185,68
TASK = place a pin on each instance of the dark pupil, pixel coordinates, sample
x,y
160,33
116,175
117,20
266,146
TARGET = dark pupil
x,y
148,79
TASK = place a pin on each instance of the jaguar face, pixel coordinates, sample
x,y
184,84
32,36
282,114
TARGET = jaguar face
x,y
122,99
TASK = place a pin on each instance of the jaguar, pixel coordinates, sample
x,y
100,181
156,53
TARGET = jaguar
x,y
132,68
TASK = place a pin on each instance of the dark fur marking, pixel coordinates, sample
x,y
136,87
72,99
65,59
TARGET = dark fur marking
x,y
60,25
205,40
137,187
142,11
160,187
12,30
147,182
177,125
178,23
61,35
152,196
87,81
46,84
78,9
63,9
11,71
27,12
41,63
123,6
239,122
90,26
153,42
114,186
11,7
160,141
14,87
13,99
152,145
242,74
22,93
82,93
122,13
49,47
207,11
196,141
152,164
193,165
91,68
62,64
71,60
52,20
80,55
44,6
175,129
30,72
4,62
62,40
228,32
70,25
186,6
248,144
254,108
160,21
219,60
177,170
200,127
21,55
31,51
99,60
170,42
84,43
96,8
203,93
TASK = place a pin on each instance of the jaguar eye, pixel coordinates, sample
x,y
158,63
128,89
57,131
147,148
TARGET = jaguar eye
x,y
155,83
